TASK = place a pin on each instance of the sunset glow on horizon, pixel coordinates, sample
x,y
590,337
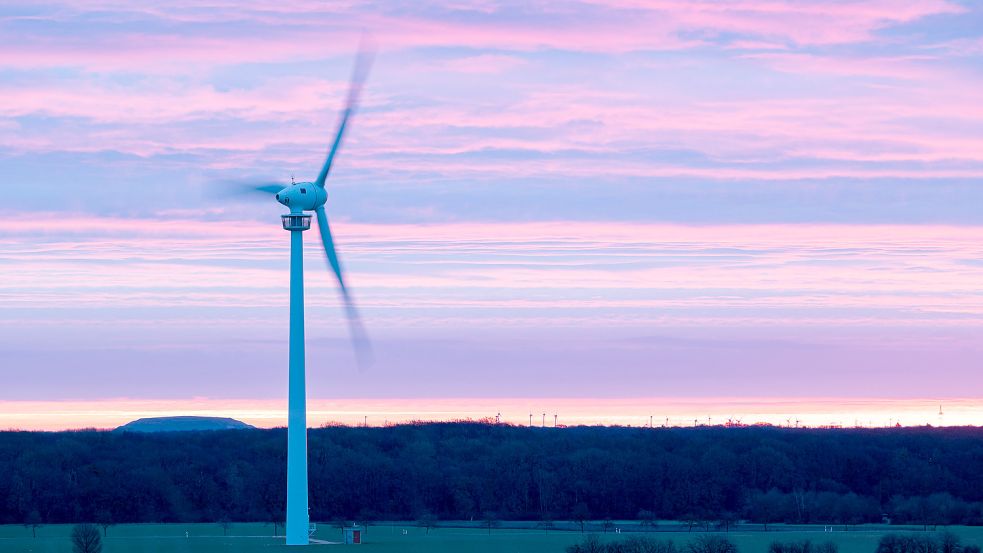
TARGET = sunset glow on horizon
x,y
672,412
750,210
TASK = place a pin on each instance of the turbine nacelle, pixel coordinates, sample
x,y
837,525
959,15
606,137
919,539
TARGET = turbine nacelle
x,y
302,196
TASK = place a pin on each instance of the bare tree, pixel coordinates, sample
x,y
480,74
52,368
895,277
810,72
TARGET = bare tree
x,y
489,521
646,519
33,521
104,519
725,520
365,518
226,525
276,525
340,524
85,539
428,521
580,515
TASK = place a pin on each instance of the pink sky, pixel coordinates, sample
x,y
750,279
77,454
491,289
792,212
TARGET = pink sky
x,y
604,205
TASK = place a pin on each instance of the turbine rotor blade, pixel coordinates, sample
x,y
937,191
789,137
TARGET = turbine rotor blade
x,y
235,190
269,188
360,340
362,64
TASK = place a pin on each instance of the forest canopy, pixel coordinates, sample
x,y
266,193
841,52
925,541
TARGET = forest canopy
x,y
474,470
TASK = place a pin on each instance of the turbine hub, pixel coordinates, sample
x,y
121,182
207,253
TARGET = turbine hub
x,y
302,196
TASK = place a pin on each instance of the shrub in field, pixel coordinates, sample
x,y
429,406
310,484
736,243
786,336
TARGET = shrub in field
x,y
85,539
949,543
642,545
710,543
890,543
804,546
946,542
592,544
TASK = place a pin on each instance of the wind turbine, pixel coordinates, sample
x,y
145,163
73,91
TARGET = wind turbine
x,y
300,198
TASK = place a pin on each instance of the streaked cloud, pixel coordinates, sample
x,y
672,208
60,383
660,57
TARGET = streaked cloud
x,y
705,198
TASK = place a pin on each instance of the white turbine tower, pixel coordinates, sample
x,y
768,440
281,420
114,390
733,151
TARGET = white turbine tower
x,y
300,198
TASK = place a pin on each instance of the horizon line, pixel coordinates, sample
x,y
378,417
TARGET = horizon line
x,y
814,412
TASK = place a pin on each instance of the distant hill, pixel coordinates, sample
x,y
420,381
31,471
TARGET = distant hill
x,y
182,424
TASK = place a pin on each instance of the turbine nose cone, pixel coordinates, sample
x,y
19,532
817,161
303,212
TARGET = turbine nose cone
x,y
283,197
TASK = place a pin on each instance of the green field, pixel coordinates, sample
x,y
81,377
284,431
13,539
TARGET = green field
x,y
249,537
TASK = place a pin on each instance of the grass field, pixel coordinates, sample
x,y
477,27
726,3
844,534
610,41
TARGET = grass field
x,y
250,537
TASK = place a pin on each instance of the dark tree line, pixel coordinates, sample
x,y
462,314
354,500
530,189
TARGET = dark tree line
x,y
707,476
